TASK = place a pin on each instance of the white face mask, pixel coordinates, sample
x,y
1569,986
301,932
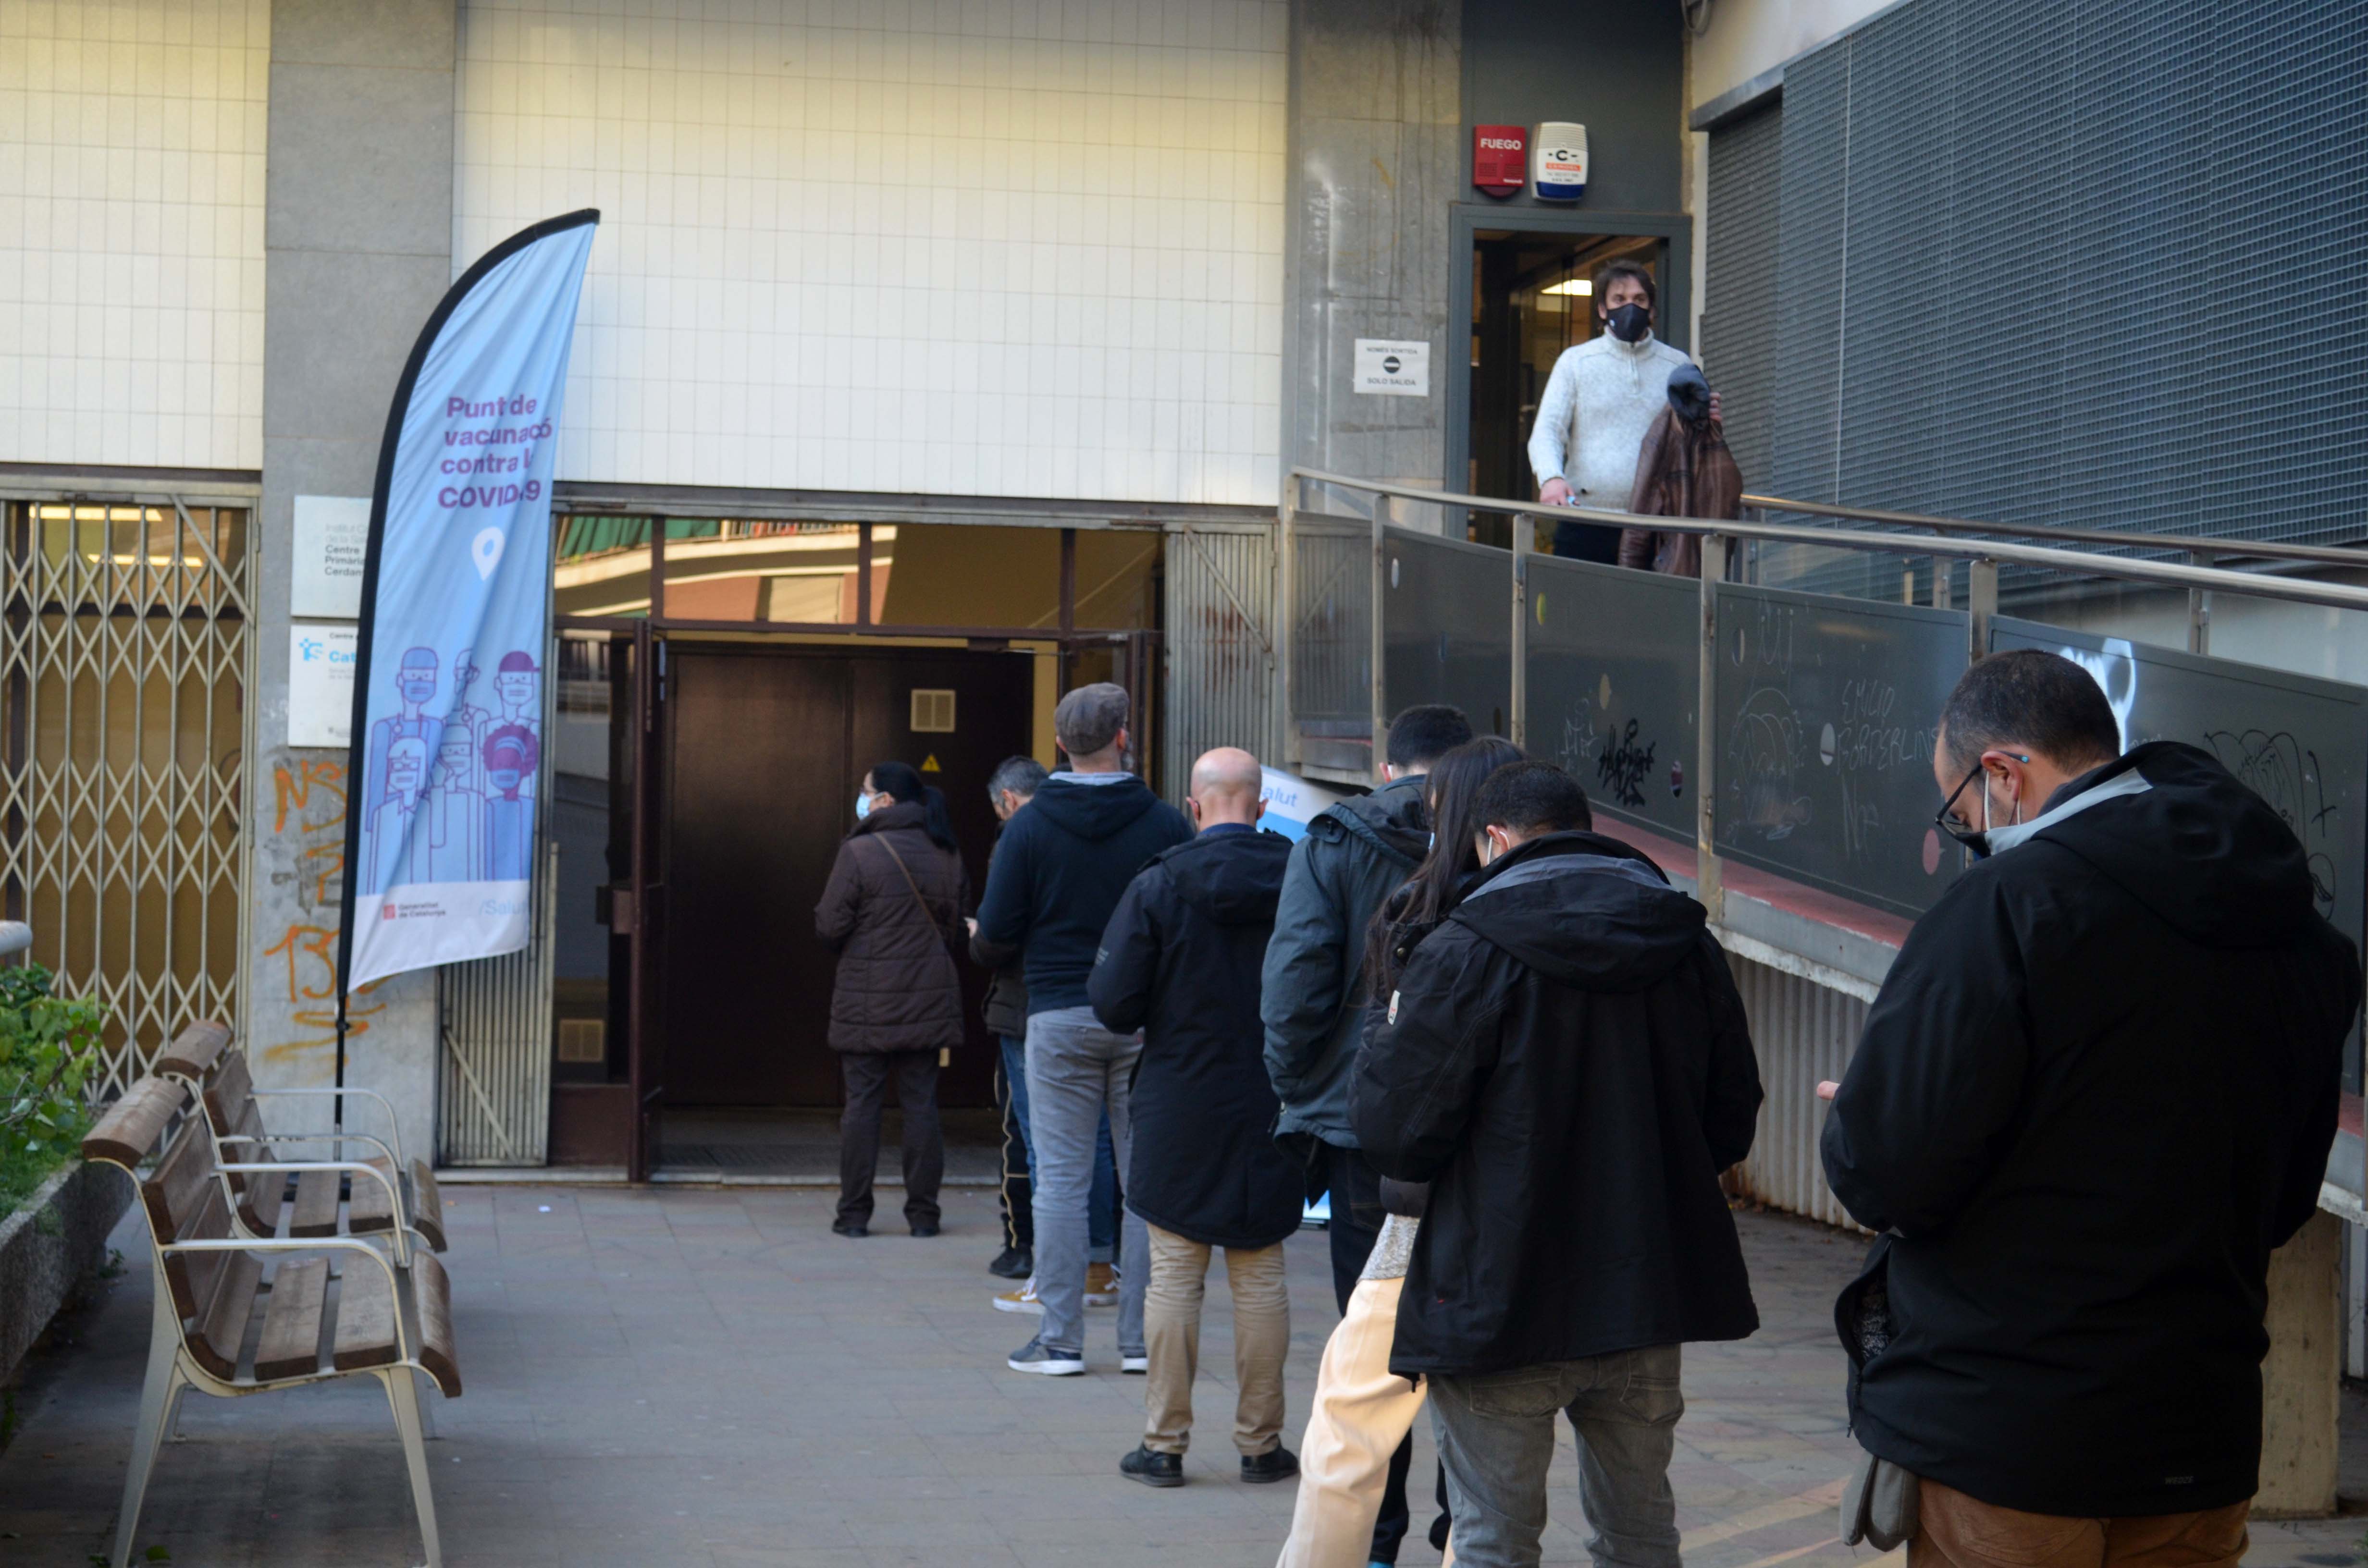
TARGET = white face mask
x,y
862,805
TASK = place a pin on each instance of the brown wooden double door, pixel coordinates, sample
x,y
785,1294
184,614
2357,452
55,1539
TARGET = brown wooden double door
x,y
763,751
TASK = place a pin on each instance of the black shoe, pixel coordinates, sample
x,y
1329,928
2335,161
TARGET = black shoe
x,y
1153,1469
1278,1464
924,1230
1013,1263
853,1231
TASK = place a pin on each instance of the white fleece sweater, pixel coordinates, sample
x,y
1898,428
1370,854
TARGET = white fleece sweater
x,y
1598,402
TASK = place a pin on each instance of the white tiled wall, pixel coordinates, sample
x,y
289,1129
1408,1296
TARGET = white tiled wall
x,y
1014,247
131,138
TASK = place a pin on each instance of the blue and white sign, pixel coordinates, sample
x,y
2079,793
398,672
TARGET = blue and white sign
x,y
447,736
1292,803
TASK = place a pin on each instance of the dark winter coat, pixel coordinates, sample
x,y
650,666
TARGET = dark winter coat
x,y
1006,1007
2098,1087
1565,1062
1355,854
897,987
1180,962
1063,863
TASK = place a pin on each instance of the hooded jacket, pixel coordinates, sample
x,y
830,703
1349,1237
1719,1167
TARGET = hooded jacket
x,y
1180,962
2098,1087
1355,854
1059,869
897,987
1566,1060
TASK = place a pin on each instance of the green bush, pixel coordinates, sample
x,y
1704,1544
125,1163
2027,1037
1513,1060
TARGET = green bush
x,y
49,1048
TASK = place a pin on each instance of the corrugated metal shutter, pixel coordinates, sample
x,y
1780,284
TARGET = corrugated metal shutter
x,y
2100,265
1739,301
1803,1033
1220,689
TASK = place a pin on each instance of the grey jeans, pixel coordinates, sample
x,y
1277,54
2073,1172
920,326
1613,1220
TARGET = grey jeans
x,y
1075,1068
1496,1437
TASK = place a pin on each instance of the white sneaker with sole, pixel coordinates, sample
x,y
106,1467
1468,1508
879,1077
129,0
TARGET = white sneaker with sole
x,y
1134,1364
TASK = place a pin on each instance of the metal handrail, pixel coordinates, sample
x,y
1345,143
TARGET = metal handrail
x,y
2248,549
2337,595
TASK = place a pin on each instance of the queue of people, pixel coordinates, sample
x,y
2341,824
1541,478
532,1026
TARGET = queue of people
x,y
2096,1091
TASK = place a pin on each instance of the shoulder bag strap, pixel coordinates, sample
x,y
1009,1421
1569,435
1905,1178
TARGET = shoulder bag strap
x,y
915,886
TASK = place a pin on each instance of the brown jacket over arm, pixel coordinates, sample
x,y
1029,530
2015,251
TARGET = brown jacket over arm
x,y
1683,470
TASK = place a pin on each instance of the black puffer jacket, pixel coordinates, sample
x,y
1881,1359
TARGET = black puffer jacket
x,y
1180,962
2098,1088
1565,1062
897,987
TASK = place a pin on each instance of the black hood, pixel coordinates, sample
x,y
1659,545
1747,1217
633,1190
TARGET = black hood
x,y
1584,910
2197,848
1234,878
1092,811
1393,819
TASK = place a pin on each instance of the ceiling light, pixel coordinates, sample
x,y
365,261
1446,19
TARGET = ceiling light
x,y
1570,285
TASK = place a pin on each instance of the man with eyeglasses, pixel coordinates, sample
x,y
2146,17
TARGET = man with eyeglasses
x,y
2098,1088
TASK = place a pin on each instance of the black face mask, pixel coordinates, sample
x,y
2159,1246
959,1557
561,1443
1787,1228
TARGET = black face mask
x,y
1630,322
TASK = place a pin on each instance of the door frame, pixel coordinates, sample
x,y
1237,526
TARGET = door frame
x,y
1672,319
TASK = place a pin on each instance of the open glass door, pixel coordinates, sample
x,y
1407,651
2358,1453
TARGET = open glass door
x,y
644,893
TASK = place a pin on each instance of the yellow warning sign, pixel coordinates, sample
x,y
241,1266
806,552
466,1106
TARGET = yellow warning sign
x,y
930,763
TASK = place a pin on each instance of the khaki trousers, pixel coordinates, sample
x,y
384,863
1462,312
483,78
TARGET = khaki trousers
x,y
1171,1334
1957,1531
1363,1411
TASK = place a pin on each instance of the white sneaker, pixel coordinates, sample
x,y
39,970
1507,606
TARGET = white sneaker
x,y
1020,1301
1134,1364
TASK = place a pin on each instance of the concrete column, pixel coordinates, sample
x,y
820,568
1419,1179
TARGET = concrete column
x,y
1375,119
358,246
2301,1377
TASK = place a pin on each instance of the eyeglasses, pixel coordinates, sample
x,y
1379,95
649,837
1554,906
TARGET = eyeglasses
x,y
1973,839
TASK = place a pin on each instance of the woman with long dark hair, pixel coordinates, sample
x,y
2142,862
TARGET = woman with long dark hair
x,y
1362,1412
893,911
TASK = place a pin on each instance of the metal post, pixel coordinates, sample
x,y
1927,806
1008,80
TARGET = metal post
x,y
1381,586
1286,624
1981,603
1524,541
2199,607
1708,885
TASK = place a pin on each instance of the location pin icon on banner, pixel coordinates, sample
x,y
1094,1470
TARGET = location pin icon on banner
x,y
486,550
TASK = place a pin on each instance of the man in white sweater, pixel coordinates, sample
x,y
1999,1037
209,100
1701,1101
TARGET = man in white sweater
x,y
1598,402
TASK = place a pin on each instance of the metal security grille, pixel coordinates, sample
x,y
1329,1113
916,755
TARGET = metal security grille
x,y
494,1104
1220,631
125,656
1739,305
2095,266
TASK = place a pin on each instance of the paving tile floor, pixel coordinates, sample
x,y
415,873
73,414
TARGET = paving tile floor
x,y
704,1377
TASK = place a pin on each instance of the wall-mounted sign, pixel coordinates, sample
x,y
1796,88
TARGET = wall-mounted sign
x,y
1560,161
321,683
332,543
1500,163
1388,367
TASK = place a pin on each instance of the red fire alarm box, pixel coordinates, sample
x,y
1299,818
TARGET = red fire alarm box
x,y
1501,158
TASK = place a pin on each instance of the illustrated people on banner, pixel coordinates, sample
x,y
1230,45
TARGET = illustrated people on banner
x,y
396,853
467,715
455,829
510,755
517,682
414,683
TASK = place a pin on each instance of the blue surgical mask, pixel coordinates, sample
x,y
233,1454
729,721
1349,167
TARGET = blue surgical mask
x,y
862,805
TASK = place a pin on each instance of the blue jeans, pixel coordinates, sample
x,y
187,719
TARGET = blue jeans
x,y
1497,1437
1101,1216
1077,1071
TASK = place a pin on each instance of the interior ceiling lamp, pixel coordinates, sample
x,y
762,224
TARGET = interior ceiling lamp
x,y
1570,285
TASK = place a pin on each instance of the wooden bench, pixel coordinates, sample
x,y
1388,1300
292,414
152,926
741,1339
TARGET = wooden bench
x,y
203,1058
237,1315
